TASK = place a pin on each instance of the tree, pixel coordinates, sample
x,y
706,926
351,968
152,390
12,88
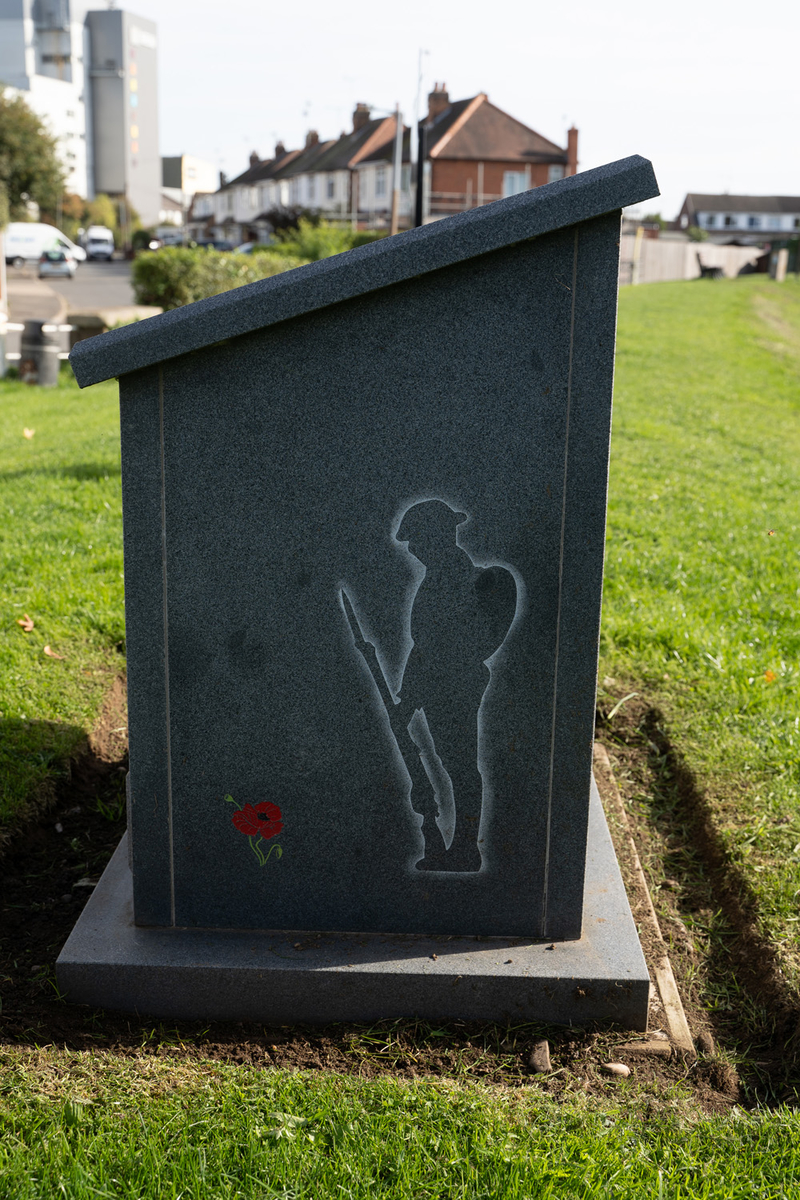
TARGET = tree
x,y
29,164
102,211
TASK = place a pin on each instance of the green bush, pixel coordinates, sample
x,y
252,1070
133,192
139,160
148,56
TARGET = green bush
x,y
177,275
314,240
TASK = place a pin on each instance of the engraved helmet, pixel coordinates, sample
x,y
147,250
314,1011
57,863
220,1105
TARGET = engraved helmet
x,y
430,520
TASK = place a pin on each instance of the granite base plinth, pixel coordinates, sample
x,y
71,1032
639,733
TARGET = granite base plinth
x,y
301,977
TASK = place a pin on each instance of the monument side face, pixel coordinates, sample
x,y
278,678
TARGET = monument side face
x,y
363,554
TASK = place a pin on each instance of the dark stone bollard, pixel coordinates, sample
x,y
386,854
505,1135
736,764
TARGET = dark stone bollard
x,y
39,361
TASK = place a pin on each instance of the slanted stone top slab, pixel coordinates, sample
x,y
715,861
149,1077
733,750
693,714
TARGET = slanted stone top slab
x,y
365,269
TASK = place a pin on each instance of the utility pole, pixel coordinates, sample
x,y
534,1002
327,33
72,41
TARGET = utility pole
x,y
422,158
415,149
398,167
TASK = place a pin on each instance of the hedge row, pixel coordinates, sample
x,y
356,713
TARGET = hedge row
x,y
178,275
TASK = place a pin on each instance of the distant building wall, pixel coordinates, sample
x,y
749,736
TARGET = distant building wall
x,y
42,59
657,260
457,184
127,163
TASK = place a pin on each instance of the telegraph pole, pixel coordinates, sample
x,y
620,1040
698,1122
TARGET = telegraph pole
x,y
398,167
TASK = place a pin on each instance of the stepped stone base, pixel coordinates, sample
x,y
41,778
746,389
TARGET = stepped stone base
x,y
302,977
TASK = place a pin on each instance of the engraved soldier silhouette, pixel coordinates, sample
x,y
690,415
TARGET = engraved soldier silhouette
x,y
460,616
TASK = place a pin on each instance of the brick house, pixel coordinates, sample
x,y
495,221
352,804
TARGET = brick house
x,y
474,152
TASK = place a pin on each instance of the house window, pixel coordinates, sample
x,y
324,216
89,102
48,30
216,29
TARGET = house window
x,y
711,219
554,171
514,182
774,222
753,222
380,181
405,179
312,187
331,187
729,221
229,201
797,222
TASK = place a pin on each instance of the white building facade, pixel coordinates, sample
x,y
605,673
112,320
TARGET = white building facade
x,y
91,76
747,219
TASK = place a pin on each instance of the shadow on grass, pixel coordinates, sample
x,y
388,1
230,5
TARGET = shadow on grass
x,y
754,1010
79,471
34,757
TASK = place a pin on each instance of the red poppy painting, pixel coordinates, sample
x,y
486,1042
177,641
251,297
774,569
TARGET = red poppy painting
x,y
256,820
259,822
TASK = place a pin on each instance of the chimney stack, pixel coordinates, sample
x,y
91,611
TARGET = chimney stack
x,y
312,138
280,149
360,117
572,151
254,159
223,179
438,101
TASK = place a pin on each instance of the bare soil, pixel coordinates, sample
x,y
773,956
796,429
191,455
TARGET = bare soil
x,y
50,867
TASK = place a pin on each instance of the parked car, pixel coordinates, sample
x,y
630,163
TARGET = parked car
x,y
24,241
212,245
55,264
99,242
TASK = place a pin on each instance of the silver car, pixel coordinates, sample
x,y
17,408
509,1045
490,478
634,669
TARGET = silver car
x,y
56,264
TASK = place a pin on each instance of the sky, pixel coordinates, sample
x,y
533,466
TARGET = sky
x,y
708,92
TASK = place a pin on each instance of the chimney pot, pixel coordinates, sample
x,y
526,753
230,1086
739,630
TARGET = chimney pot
x,y
254,159
572,151
280,149
360,117
438,101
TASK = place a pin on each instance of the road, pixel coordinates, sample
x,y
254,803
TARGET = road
x,y
96,285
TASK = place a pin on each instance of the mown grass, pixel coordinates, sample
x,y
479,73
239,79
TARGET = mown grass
x,y
700,610
61,564
85,1126
702,582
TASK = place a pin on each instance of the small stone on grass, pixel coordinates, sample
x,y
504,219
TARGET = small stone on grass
x,y
618,1069
539,1058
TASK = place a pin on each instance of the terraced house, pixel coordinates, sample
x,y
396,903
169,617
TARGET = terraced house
x,y
472,153
345,178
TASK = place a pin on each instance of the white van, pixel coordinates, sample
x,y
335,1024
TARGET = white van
x,y
25,241
99,242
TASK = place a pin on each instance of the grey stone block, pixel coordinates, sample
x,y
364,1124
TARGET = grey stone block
x,y
364,518
288,977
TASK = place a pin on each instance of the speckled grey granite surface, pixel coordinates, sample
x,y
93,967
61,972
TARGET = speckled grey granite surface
x,y
413,463
415,252
290,977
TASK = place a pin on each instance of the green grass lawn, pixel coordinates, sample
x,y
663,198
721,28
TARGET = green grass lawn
x,y
61,565
85,1126
702,571
700,616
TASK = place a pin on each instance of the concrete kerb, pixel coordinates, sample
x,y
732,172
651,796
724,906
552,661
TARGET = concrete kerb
x,y
680,1035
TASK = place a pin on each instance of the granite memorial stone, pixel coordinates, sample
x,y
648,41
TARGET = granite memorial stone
x,y
364,517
